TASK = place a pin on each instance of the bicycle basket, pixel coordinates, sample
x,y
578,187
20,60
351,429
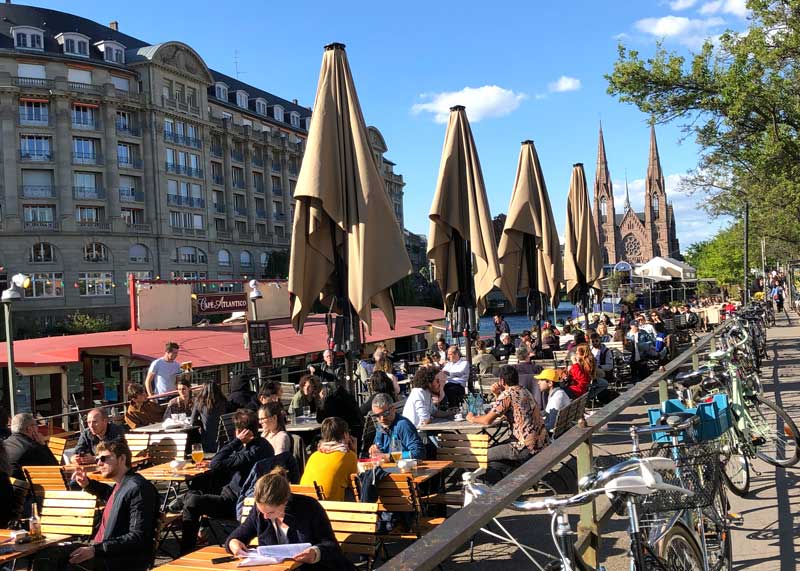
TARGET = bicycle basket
x,y
698,470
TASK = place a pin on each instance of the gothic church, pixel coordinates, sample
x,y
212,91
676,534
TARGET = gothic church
x,y
634,237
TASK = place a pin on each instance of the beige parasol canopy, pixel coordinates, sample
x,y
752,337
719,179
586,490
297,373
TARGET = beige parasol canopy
x,y
530,214
460,209
583,267
342,209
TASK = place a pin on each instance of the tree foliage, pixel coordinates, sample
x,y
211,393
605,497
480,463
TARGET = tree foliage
x,y
740,98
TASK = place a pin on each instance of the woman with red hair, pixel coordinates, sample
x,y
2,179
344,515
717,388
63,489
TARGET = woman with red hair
x,y
582,372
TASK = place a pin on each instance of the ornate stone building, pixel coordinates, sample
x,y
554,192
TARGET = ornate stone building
x,y
634,237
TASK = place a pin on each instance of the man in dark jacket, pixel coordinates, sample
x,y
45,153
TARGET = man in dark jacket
x,y
232,464
341,403
25,446
242,396
125,536
98,429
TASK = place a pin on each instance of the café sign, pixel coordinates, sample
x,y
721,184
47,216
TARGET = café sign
x,y
212,303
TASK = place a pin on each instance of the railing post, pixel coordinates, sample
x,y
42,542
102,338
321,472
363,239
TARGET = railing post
x,y
695,356
663,390
587,526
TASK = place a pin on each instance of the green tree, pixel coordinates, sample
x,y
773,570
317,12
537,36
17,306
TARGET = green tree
x,y
740,99
277,264
78,322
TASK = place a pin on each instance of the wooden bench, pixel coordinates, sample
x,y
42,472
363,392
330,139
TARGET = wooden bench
x,y
44,479
355,526
138,443
617,346
314,491
68,512
467,451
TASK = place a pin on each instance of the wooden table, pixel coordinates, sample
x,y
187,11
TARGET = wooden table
x,y
165,473
201,560
26,549
496,431
426,469
303,424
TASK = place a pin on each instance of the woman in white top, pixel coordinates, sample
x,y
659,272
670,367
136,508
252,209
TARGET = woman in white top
x,y
273,427
419,407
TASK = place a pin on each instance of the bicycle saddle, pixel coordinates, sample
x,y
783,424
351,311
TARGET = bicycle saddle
x,y
692,378
674,419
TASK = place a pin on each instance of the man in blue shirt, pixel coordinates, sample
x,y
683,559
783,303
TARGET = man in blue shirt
x,y
392,425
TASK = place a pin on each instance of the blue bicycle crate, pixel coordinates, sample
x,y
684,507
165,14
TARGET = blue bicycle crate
x,y
715,418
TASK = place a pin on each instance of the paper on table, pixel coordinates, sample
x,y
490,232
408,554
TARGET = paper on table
x,y
268,554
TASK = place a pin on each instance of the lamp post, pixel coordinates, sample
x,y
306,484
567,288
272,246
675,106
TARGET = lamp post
x,y
9,296
255,295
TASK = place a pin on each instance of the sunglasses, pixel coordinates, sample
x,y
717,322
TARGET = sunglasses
x,y
383,414
102,459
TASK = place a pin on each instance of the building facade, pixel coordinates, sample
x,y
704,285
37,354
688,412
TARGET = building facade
x,y
634,237
120,157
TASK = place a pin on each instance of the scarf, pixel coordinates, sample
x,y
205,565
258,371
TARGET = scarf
x,y
333,446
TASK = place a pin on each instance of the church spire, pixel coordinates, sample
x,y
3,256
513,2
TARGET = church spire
x,y
602,177
655,176
627,194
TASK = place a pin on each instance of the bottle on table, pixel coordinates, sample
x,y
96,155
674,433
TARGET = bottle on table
x,y
34,525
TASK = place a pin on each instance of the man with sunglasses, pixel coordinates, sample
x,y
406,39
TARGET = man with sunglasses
x,y
392,426
125,535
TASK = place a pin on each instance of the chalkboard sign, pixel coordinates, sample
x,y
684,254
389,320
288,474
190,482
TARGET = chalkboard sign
x,y
260,345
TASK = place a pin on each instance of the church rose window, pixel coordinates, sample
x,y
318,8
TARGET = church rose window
x,y
633,249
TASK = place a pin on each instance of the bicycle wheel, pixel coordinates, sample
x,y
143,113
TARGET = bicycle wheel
x,y
779,439
718,535
735,464
679,549
770,318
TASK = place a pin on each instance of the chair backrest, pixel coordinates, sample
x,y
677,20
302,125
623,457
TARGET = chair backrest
x,y
396,493
355,526
57,444
21,489
68,512
287,393
45,478
167,446
467,451
615,345
367,435
249,502
226,430
138,442
485,383
314,491
560,357
298,451
569,415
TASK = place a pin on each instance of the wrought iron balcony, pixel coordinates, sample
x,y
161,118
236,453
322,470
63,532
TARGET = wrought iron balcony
x,y
88,193
37,191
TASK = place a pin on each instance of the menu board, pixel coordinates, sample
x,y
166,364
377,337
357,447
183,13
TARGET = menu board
x,y
260,345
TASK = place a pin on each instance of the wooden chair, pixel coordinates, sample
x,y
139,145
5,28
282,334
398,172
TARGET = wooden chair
x,y
21,489
314,491
569,416
560,358
44,479
68,512
167,446
226,429
615,345
467,451
355,526
138,443
57,445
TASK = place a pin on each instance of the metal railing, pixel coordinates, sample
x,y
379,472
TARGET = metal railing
x,y
184,170
127,194
438,545
37,191
88,193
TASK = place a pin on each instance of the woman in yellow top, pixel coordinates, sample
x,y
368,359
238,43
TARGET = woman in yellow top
x,y
335,460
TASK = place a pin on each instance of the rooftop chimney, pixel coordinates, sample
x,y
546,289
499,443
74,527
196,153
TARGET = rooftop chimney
x,y
294,101
114,26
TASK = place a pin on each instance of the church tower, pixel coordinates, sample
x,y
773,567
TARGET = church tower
x,y
604,214
657,213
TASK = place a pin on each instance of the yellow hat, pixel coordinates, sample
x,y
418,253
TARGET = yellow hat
x,y
549,375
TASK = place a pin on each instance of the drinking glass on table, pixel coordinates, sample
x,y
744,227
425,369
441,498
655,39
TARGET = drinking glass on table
x,y
306,411
396,450
197,453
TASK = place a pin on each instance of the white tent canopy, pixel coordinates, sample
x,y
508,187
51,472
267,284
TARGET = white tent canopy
x,y
666,268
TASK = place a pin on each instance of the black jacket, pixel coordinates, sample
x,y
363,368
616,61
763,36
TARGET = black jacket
x,y
235,460
342,404
130,531
241,395
503,352
308,523
21,450
87,443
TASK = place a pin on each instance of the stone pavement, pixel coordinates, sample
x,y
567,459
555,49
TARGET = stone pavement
x,y
769,538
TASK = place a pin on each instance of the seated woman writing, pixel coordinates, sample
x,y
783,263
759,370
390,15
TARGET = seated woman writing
x,y
280,517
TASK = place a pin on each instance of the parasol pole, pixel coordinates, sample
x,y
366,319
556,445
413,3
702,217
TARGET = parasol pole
x,y
533,305
464,305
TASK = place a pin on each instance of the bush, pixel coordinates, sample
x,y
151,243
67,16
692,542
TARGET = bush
x,y
78,322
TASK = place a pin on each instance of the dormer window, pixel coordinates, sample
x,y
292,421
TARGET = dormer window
x,y
308,123
27,38
294,118
112,51
221,91
261,107
242,99
277,112
74,44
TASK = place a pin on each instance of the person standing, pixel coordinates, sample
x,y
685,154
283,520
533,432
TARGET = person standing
x,y
500,326
161,375
25,446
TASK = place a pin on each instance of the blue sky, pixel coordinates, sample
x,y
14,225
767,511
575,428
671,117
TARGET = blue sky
x,y
535,70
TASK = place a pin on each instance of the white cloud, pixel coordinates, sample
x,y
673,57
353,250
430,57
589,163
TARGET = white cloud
x,y
682,4
564,83
735,7
481,102
691,32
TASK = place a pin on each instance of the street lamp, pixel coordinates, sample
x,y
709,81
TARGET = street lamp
x,y
10,295
255,295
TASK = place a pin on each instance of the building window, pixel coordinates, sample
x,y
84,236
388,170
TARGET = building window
x,y
89,214
241,99
95,252
95,284
83,115
245,259
35,148
224,258
33,112
190,255
132,216
27,38
22,40
277,112
49,284
124,121
74,44
261,107
603,210
264,259
655,206
221,91
138,254
42,253
295,119
46,214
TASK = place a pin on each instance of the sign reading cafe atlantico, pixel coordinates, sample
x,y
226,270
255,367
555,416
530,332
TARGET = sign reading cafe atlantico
x,y
211,303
